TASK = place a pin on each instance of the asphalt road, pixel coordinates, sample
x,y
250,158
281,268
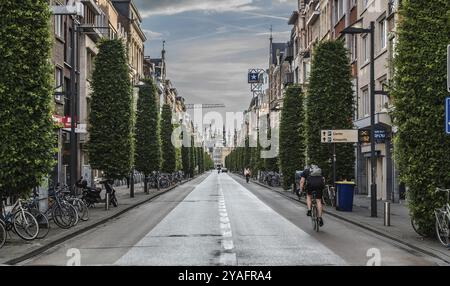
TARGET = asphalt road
x,y
224,221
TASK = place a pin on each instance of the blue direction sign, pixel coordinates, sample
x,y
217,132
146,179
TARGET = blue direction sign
x,y
253,77
447,115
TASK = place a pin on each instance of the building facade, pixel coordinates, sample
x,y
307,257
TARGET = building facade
x,y
319,20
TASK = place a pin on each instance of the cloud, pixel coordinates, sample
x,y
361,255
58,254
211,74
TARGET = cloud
x,y
215,70
260,15
151,35
165,7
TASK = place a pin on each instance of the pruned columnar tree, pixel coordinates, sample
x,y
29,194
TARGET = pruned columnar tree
x,y
148,143
110,145
201,168
329,105
271,163
185,155
168,149
192,158
292,141
419,90
26,89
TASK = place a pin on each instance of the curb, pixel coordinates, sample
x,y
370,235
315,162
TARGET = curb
x,y
374,230
87,228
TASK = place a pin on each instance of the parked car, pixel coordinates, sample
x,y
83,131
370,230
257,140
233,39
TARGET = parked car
x,y
224,170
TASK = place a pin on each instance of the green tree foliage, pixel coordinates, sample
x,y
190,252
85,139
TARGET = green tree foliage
x,y
270,164
179,163
209,164
192,158
419,90
26,88
148,143
292,141
329,105
186,156
168,149
110,127
201,167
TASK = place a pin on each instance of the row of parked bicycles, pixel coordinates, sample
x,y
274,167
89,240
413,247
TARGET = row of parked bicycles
x,y
66,207
271,178
159,180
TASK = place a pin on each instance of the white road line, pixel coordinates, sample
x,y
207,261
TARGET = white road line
x,y
228,257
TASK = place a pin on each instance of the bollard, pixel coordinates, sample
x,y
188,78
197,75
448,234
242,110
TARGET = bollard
x,y
107,202
387,213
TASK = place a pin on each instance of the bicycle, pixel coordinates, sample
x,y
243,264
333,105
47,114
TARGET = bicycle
x,y
416,228
443,220
44,225
77,203
63,214
329,196
18,219
2,233
315,219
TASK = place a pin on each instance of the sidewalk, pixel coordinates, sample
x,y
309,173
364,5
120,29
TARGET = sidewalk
x,y
400,229
17,250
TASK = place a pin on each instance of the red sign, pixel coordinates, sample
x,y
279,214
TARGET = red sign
x,y
65,121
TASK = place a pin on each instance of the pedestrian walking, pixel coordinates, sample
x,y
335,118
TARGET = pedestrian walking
x,y
247,174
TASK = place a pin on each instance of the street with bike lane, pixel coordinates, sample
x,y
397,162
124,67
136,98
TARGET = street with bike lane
x,y
222,220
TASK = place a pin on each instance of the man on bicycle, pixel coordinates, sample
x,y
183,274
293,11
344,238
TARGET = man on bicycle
x,y
312,180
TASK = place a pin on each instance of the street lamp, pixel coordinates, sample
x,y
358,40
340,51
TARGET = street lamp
x,y
357,28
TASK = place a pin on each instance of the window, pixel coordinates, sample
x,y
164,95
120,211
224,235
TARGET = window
x,y
365,47
365,102
306,69
89,63
58,82
59,26
355,97
338,10
382,33
58,77
354,47
384,99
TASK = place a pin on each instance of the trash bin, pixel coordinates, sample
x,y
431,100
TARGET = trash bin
x,y
344,196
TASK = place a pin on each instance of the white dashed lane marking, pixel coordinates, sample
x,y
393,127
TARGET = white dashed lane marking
x,y
227,256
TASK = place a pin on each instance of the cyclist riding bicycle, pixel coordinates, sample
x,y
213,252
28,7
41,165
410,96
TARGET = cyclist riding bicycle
x,y
312,180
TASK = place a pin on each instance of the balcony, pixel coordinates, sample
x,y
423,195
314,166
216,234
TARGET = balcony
x,y
289,52
289,78
381,118
314,16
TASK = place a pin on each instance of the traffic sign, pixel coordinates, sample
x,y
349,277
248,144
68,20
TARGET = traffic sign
x,y
447,115
339,136
253,77
364,136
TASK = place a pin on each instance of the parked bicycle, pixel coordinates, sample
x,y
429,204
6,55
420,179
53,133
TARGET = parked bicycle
x,y
32,206
20,221
443,220
329,196
2,233
60,211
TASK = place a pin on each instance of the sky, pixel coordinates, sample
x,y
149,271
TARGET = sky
x,y
211,44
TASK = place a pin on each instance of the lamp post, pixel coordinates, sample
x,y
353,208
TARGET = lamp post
x,y
357,28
